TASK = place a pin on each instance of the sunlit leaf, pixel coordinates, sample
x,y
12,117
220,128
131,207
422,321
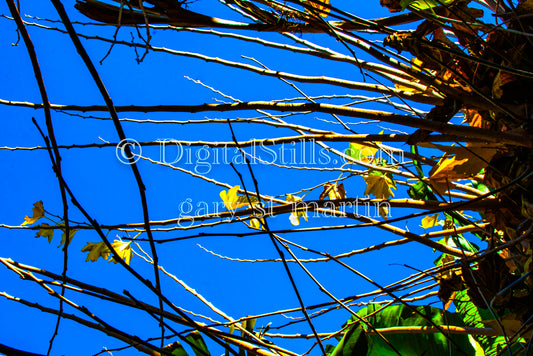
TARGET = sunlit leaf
x,y
318,4
443,173
197,343
49,233
233,201
473,118
414,344
175,349
123,249
473,317
354,342
96,250
257,223
37,213
380,185
430,221
333,191
295,215
423,4
363,153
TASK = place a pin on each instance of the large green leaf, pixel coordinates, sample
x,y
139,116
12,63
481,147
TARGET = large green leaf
x,y
473,317
197,343
409,344
175,349
354,342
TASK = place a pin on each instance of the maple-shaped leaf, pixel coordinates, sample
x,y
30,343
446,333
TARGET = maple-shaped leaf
x,y
96,250
379,184
333,191
123,249
49,233
430,221
38,212
444,172
233,201
295,215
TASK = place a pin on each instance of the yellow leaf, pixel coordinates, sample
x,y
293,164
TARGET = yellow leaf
x,y
379,185
362,153
255,223
430,221
38,212
333,191
444,170
123,249
233,201
295,215
96,250
49,233
317,4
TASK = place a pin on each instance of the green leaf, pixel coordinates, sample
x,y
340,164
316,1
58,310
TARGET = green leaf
x,y
175,349
461,242
354,342
248,325
418,191
198,344
361,152
414,344
474,317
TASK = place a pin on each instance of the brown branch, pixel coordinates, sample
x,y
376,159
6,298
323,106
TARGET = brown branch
x,y
461,131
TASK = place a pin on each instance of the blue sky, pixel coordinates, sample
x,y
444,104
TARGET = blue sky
x,y
106,188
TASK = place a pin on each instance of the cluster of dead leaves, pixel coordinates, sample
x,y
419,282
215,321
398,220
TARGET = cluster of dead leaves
x,y
45,230
458,163
95,249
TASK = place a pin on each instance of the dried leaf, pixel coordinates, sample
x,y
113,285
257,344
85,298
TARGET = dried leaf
x,y
473,118
49,233
443,173
317,4
430,221
333,191
72,232
96,250
510,325
37,213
